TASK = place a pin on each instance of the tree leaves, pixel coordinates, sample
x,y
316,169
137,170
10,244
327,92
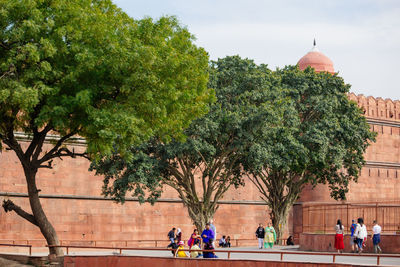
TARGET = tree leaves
x,y
320,138
207,163
86,66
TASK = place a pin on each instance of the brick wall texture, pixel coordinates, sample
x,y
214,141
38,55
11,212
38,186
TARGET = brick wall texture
x,y
85,220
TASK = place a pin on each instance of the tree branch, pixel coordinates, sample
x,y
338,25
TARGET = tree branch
x,y
55,151
8,205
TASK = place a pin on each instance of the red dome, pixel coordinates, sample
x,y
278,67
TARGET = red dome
x,y
316,60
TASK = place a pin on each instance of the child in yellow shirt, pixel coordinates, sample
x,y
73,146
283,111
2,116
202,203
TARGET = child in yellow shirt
x,y
179,252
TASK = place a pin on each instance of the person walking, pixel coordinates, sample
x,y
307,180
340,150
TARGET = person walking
x,y
339,229
179,234
171,235
376,237
360,233
173,246
270,236
352,237
260,235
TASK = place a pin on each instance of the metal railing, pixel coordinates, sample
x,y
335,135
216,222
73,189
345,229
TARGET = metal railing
x,y
154,242
14,245
229,252
321,218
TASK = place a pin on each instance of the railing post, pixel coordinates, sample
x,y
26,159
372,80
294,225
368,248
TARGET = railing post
x,y
120,251
30,251
67,250
378,260
156,243
334,258
229,255
324,219
281,256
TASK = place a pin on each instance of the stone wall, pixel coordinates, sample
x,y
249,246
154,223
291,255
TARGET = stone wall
x,y
71,198
73,194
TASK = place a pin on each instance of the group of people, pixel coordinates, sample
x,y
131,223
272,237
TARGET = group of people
x,y
266,236
358,236
207,237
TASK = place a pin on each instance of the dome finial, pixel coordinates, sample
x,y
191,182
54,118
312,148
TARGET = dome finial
x,y
314,48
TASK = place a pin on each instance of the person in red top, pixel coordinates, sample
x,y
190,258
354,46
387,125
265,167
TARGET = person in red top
x,y
195,236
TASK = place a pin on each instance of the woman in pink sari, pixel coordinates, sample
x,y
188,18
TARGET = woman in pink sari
x,y
195,235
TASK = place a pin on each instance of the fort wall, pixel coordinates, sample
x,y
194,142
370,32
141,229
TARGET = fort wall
x,y
71,195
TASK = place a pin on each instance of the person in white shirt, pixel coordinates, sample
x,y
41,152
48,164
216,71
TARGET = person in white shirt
x,y
360,234
376,237
339,229
214,229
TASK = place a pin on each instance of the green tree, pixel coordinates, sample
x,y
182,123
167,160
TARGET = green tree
x,y
321,139
83,67
203,167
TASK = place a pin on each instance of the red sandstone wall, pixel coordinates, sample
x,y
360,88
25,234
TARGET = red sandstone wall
x,y
116,261
87,220
376,183
95,219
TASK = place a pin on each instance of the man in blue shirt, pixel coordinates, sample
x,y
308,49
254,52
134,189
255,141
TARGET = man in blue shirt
x,y
207,234
352,237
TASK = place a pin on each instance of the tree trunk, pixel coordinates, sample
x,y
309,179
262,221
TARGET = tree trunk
x,y
279,218
43,223
200,215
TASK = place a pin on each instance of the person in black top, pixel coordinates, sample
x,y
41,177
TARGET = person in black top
x,y
289,241
174,246
209,246
228,242
260,234
171,235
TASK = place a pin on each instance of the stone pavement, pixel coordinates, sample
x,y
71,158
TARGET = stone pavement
x,y
359,260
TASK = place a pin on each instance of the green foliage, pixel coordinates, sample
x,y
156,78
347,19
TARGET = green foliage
x,y
321,139
203,167
322,136
84,67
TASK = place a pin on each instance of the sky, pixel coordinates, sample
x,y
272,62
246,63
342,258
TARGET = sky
x,y
361,37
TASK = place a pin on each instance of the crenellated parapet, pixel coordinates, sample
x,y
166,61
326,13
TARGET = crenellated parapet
x,y
378,108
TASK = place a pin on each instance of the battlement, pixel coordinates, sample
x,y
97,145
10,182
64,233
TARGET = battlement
x,y
385,109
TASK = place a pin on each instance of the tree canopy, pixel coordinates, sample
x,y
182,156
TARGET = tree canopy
x,y
83,67
203,167
321,139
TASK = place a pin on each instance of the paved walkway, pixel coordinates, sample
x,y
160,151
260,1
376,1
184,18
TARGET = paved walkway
x,y
359,260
